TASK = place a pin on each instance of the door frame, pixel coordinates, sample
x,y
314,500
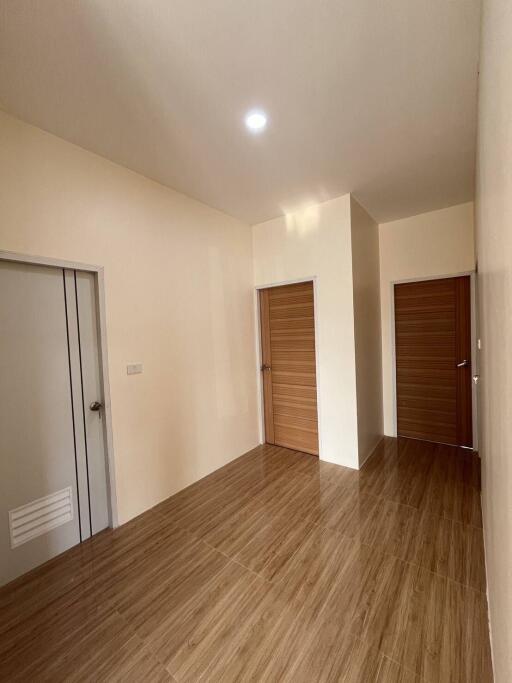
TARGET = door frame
x,y
99,277
259,383
474,343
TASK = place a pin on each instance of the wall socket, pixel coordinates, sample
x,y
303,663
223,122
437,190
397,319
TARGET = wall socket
x,y
134,368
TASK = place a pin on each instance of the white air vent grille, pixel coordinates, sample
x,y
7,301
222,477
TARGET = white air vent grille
x,y
36,518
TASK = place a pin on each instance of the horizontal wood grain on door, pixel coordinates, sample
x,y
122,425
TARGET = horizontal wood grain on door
x,y
433,360
289,366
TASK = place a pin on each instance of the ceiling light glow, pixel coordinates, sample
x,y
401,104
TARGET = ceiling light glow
x,y
256,121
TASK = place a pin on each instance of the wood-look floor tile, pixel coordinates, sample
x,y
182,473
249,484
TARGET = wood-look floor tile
x,y
106,652
46,634
277,567
391,672
442,479
330,659
209,505
212,629
147,602
448,548
206,509
302,490
398,470
453,501
272,547
278,626
131,663
410,614
234,533
231,532
456,465
199,618
62,575
425,622
442,545
349,512
173,557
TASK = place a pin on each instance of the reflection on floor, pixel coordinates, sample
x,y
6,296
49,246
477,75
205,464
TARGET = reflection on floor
x,y
276,567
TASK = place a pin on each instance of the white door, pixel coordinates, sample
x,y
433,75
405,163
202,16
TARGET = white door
x,y
53,476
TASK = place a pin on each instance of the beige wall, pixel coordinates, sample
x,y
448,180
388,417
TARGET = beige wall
x,y
431,244
367,328
179,299
316,242
494,251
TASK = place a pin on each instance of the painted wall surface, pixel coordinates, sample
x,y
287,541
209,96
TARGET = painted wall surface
x,y
179,298
494,252
429,245
317,242
367,329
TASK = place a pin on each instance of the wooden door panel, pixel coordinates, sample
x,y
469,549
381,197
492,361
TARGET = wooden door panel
x,y
293,422
440,415
428,402
418,392
304,379
293,365
293,355
296,394
279,324
432,335
297,439
286,408
288,354
283,311
298,343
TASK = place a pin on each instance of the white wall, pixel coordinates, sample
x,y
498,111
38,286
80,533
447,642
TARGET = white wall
x,y
367,328
431,244
317,242
179,298
494,251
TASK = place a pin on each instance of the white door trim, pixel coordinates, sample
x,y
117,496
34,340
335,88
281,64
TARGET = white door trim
x,y
474,352
259,383
102,320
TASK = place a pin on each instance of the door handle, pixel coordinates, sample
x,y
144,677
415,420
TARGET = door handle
x,y
464,364
95,406
265,367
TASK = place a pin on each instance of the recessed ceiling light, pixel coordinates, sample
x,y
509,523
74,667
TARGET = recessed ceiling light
x,y
256,120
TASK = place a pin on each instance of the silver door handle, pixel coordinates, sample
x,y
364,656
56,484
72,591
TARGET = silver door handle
x,y
463,364
95,406
265,367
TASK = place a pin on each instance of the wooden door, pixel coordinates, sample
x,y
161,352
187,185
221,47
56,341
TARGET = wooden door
x,y
433,360
289,366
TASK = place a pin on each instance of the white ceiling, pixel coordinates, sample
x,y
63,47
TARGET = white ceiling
x,y
374,97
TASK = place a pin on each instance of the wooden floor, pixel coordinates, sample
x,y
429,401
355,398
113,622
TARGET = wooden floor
x,y
277,567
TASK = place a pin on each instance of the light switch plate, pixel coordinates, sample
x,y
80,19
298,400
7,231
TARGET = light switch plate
x,y
134,368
